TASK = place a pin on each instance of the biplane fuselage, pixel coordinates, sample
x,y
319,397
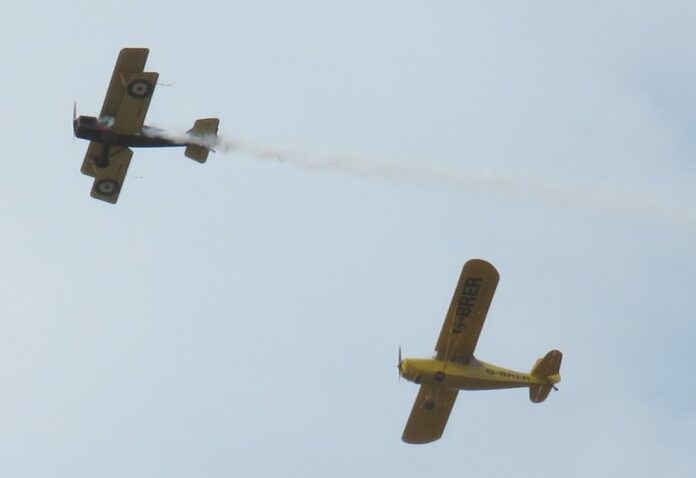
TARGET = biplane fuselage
x,y
93,129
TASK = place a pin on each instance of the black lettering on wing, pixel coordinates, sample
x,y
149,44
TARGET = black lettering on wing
x,y
465,302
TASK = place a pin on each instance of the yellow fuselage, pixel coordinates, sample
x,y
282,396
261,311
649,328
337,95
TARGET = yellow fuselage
x,y
475,375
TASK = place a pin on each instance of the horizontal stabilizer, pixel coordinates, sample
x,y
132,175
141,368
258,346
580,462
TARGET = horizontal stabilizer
x,y
538,393
547,368
197,153
205,130
549,365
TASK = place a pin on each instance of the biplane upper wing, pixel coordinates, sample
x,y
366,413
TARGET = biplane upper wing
x,y
130,61
467,312
430,413
108,181
130,89
130,116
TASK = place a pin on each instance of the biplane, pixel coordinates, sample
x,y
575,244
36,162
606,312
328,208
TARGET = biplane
x,y
454,366
120,126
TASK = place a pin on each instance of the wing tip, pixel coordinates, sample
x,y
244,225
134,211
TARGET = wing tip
x,y
140,50
482,263
419,441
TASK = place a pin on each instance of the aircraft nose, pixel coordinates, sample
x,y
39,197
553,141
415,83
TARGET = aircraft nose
x,y
405,368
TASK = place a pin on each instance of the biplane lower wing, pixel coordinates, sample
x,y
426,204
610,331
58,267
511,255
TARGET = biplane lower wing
x,y
429,414
94,151
109,180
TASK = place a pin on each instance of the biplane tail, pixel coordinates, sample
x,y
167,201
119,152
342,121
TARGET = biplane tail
x,y
547,368
204,130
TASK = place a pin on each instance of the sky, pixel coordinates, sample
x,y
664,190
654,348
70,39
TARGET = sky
x,y
242,317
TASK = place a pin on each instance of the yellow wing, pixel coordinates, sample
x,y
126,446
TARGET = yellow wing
x,y
429,414
130,61
130,116
467,312
127,100
128,96
93,153
109,180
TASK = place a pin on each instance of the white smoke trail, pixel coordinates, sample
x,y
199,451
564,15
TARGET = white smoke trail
x,y
608,198
209,141
604,197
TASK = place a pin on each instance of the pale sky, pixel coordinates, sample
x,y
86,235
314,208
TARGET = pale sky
x,y
242,317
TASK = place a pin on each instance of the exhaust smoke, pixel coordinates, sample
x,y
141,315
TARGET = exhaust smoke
x,y
603,197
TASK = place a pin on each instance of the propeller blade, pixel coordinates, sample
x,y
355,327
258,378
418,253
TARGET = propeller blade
x,y
398,365
74,119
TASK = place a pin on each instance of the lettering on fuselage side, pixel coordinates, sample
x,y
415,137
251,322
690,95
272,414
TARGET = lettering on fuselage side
x,y
466,302
504,374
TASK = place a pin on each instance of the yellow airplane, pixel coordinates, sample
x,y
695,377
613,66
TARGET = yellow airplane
x,y
454,366
120,126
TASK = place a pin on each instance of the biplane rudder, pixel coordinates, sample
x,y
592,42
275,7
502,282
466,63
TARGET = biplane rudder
x,y
204,133
548,369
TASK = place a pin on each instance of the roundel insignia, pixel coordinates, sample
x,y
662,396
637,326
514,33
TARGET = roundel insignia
x,y
139,88
107,187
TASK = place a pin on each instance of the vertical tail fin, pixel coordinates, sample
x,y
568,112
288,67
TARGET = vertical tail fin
x,y
547,368
206,131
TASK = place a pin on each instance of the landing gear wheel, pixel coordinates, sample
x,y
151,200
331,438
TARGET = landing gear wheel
x,y
139,88
107,187
439,376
